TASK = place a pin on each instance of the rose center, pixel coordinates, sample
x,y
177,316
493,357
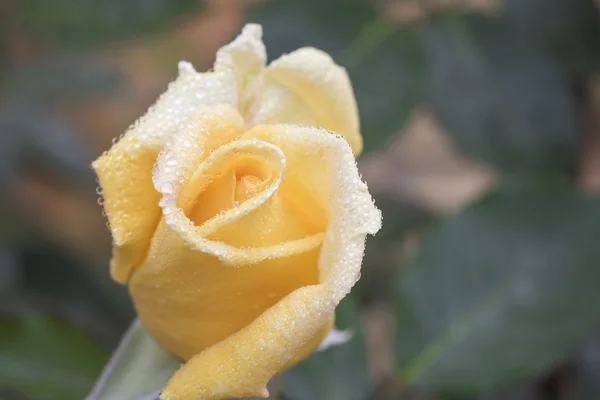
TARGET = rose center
x,y
245,177
249,180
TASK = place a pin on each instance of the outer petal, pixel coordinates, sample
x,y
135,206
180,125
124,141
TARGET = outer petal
x,y
306,87
125,171
241,365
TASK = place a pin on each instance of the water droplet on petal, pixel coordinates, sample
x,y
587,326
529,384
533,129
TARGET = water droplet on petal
x,y
166,188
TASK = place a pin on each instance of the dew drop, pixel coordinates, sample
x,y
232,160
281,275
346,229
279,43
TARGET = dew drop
x,y
166,188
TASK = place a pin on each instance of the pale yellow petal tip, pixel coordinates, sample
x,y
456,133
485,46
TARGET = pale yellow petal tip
x,y
249,45
325,86
99,163
120,270
377,219
253,31
95,164
185,67
356,142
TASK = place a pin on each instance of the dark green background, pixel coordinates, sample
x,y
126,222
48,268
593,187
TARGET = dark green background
x,y
498,300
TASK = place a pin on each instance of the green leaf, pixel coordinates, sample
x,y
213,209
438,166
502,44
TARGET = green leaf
x,y
502,99
62,79
44,358
385,62
34,137
530,391
139,368
501,292
337,373
82,22
569,29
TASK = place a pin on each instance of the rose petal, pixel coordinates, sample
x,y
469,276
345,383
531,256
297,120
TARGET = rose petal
x,y
130,202
303,87
245,57
322,164
125,171
306,87
184,169
241,364
208,301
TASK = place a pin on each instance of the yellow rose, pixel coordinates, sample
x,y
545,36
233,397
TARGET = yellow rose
x,y
238,216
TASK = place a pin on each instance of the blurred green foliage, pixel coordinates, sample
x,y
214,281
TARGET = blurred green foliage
x,y
509,89
85,22
499,300
490,294
139,368
46,358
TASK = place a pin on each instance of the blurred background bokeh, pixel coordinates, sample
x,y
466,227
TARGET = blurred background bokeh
x,y
481,122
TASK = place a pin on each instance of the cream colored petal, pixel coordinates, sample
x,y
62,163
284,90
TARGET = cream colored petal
x,y
125,171
241,365
185,97
306,87
245,58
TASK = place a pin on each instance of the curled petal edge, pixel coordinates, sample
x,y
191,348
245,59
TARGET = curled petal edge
x,y
175,165
322,85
